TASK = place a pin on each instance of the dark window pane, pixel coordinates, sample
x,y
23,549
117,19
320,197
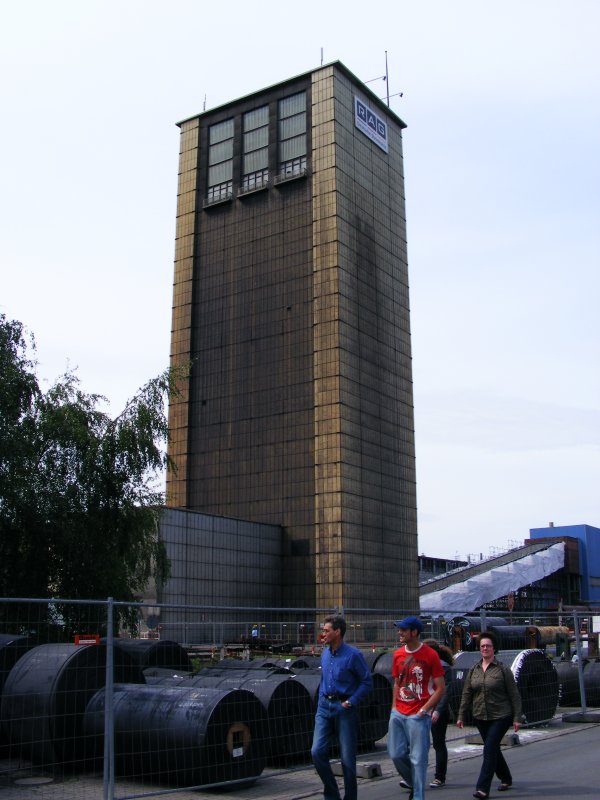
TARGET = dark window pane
x,y
256,119
217,133
293,148
257,160
220,152
256,139
292,126
292,105
220,173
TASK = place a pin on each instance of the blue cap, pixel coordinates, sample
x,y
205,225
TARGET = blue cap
x,y
410,624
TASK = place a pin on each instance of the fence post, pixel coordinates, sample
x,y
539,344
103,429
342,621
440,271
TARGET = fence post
x,y
579,662
108,780
482,615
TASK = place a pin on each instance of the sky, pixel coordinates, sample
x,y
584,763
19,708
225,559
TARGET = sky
x,y
502,166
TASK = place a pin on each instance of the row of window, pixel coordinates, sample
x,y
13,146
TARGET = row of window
x,y
291,125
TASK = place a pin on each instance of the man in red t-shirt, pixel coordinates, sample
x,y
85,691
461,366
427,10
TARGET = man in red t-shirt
x,y
418,687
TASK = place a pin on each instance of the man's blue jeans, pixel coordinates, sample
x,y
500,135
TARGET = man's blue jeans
x,y
408,746
333,721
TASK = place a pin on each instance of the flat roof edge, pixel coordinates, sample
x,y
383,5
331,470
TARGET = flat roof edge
x,y
338,64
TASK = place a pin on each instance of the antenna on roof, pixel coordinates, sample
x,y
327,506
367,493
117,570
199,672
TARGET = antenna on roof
x,y
204,104
321,56
387,83
385,78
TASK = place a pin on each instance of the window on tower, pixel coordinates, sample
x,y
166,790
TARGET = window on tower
x,y
256,149
220,161
292,135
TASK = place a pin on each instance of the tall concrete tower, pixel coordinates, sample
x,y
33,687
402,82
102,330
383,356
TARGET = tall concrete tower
x,y
291,302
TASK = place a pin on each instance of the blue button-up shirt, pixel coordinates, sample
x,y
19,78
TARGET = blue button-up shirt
x,y
345,672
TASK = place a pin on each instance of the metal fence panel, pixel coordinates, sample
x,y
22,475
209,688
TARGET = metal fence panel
x,y
95,701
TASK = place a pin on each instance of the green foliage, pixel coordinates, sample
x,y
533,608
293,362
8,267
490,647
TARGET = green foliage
x,y
79,497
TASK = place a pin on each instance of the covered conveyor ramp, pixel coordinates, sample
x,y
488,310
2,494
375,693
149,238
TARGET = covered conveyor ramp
x,y
468,588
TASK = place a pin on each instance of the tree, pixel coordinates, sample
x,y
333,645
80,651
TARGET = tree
x,y
79,503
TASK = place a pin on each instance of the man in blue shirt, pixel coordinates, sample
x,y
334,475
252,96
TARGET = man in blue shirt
x,y
345,681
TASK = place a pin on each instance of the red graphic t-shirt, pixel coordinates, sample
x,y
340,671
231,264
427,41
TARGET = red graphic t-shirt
x,y
415,671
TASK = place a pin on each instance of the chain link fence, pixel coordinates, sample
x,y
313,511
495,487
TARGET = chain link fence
x,y
114,700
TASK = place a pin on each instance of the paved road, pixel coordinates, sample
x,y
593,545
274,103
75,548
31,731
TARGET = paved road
x,y
564,766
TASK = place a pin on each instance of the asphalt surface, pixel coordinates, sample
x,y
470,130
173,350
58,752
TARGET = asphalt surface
x,y
556,761
561,766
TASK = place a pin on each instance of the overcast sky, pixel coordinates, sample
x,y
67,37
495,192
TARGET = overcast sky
x,y
502,103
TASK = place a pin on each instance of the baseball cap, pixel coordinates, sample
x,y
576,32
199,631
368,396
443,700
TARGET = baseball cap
x,y
410,623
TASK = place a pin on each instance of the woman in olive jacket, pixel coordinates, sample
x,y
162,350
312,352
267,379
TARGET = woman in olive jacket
x,y
491,692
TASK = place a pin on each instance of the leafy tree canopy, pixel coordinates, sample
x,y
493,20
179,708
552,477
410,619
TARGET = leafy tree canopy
x,y
79,503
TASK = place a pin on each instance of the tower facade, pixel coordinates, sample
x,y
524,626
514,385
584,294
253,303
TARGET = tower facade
x,y
291,303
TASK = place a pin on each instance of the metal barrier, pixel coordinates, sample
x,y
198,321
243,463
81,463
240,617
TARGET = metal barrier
x,y
133,712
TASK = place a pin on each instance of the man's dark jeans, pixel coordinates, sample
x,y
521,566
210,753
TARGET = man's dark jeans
x,y
438,738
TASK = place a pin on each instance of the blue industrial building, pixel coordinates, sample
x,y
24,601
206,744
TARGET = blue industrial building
x,y
589,554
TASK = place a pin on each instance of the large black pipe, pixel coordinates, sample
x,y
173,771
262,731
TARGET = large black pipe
x,y
289,708
591,682
538,684
218,670
373,658
374,712
183,736
311,680
165,672
469,626
45,696
271,664
162,653
301,662
569,693
516,637
12,648
383,665
241,663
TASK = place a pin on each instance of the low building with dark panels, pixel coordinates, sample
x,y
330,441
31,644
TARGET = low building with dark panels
x,y
215,562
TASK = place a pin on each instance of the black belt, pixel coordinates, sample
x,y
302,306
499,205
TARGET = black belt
x,y
341,697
